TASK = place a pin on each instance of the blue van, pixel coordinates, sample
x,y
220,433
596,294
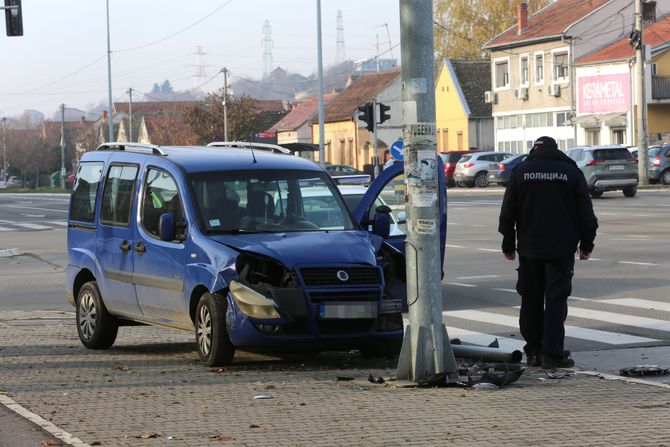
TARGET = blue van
x,y
228,242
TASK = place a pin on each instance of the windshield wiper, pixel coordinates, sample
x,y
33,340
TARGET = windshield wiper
x,y
232,231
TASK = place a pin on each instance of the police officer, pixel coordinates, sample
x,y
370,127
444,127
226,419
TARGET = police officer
x,y
547,211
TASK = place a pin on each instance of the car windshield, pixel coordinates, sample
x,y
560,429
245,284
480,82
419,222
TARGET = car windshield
x,y
269,201
611,154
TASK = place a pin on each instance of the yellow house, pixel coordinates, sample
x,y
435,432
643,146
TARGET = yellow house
x,y
463,120
346,139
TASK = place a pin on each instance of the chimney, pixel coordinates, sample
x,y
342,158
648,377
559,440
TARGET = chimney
x,y
82,121
522,17
104,114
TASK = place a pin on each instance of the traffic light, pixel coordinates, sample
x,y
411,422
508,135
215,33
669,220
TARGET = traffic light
x,y
635,39
383,112
367,114
13,17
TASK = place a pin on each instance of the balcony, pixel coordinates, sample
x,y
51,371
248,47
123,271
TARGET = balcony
x,y
660,87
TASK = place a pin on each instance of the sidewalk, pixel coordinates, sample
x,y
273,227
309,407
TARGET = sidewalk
x,y
150,385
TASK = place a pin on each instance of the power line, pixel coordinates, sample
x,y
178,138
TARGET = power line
x,y
177,32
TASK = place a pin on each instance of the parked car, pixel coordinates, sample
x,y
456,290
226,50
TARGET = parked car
x,y
607,168
659,164
501,175
14,182
347,174
231,245
473,169
450,159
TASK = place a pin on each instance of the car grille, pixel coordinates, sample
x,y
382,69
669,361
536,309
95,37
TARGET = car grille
x,y
345,295
315,277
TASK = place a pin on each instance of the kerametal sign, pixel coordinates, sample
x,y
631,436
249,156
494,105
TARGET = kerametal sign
x,y
603,93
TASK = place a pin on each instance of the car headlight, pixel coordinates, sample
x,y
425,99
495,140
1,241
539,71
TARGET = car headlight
x,y
251,302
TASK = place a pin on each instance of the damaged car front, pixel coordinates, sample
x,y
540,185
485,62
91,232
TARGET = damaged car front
x,y
300,274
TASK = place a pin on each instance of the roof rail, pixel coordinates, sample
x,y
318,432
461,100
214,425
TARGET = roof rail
x,y
251,145
132,147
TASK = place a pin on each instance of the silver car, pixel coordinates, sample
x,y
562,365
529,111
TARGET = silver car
x,y
473,169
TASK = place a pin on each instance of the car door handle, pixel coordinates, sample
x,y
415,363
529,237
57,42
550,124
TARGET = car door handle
x,y
125,245
140,248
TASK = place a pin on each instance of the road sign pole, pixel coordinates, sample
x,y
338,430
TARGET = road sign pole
x,y
426,349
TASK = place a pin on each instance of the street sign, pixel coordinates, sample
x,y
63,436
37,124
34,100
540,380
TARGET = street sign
x,y
396,150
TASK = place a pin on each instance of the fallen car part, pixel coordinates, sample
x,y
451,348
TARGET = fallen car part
x,y
486,354
644,370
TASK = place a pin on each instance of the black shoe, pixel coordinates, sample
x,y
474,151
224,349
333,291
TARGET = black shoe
x,y
553,362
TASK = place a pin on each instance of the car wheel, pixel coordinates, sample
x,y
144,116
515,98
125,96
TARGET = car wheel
x,y
595,193
665,177
97,329
630,191
482,180
211,334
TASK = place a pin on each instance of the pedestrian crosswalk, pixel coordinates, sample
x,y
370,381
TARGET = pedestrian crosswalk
x,y
8,225
585,325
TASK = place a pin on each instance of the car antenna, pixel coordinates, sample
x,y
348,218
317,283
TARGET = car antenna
x,y
252,153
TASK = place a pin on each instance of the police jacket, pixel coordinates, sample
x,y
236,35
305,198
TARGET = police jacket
x,y
547,203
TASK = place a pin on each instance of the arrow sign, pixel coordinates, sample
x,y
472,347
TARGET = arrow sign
x,y
396,150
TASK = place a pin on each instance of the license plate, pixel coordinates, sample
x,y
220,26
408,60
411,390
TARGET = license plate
x,y
616,167
492,176
458,174
341,310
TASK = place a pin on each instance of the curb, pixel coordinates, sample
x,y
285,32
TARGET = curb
x,y
44,424
623,379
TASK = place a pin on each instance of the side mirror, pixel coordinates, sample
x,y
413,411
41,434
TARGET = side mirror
x,y
401,217
166,227
381,225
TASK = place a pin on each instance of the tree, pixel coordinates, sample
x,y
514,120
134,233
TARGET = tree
x,y
156,88
166,86
28,154
464,26
206,120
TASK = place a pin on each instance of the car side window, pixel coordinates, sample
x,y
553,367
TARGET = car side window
x,y
491,157
117,197
160,195
85,192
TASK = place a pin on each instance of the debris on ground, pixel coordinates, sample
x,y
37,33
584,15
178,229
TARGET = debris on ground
x,y
644,370
262,396
373,379
149,435
343,378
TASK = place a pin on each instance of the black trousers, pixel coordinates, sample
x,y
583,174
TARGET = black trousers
x,y
544,286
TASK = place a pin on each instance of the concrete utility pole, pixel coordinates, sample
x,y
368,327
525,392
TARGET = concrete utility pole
x,y
130,115
4,149
375,144
225,103
322,113
426,349
62,146
642,165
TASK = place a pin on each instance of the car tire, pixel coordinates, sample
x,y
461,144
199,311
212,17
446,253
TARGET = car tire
x,y
211,334
630,191
665,177
97,329
482,180
595,193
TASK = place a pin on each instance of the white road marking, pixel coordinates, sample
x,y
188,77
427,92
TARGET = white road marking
x,y
43,423
638,263
32,215
642,236
576,298
32,226
59,222
638,303
453,223
453,246
461,284
490,250
505,290
608,214
5,229
622,319
38,209
611,338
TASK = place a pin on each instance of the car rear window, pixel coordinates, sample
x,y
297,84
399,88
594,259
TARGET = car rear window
x,y
653,151
611,154
453,158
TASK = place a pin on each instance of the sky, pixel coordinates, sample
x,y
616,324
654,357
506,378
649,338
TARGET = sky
x,y
62,56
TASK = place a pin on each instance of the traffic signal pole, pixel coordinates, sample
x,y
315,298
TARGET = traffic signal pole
x,y
375,144
426,349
